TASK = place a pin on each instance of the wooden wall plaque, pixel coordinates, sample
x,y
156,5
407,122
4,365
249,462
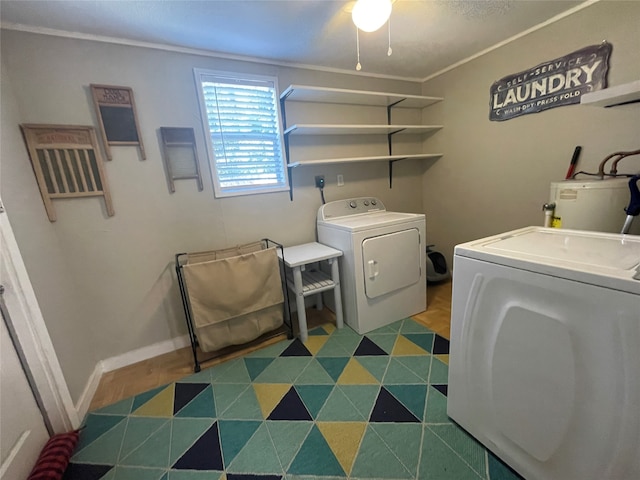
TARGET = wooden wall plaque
x,y
180,155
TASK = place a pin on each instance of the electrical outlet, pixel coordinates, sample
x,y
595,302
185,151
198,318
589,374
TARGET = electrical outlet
x,y
319,181
340,180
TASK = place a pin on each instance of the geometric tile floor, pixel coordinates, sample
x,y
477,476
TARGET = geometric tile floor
x,y
341,405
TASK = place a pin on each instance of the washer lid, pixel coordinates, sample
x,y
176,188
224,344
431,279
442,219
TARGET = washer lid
x,y
605,259
366,221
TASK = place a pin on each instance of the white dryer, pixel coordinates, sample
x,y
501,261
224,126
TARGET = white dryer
x,y
544,365
382,272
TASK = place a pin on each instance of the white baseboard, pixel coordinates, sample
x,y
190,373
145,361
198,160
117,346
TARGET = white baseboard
x,y
83,403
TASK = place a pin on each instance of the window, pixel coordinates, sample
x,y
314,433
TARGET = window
x,y
241,114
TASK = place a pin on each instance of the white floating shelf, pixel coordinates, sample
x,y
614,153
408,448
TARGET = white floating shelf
x,y
317,129
612,96
302,93
384,158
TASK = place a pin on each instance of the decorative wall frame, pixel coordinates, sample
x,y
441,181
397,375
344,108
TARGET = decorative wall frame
x,y
180,155
67,163
117,116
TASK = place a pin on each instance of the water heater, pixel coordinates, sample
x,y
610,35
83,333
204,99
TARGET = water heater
x,y
596,205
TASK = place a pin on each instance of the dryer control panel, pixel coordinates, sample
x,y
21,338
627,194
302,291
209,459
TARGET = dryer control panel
x,y
350,206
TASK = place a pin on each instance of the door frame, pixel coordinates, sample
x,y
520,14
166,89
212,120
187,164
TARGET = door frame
x,y
33,338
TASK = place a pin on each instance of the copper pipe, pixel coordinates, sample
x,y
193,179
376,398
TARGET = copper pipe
x,y
609,157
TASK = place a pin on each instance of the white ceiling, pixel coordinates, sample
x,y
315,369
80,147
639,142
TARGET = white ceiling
x,y
427,36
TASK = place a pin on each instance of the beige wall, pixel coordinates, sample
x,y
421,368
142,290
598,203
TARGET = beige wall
x,y
495,176
106,285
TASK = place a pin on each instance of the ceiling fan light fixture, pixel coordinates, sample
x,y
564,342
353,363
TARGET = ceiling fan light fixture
x,y
370,15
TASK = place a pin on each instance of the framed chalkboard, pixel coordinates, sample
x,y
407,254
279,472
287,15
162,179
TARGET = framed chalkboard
x,y
116,111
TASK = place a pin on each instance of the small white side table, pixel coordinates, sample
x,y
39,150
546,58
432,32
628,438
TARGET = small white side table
x,y
311,281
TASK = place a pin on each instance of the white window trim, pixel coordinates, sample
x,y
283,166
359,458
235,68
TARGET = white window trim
x,y
252,190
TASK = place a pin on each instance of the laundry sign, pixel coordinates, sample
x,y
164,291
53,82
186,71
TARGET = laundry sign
x,y
551,84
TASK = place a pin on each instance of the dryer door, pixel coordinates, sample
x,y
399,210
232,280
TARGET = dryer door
x,y
391,262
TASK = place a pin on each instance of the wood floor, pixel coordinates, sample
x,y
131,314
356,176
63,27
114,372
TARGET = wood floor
x,y
154,372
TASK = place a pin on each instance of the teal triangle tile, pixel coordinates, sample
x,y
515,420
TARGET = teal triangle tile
x,y
105,449
314,396
202,406
165,476
423,340
227,393
317,331
498,470
397,373
246,407
185,392
413,397
418,364
284,370
411,326
143,398
255,366
287,438
291,407
204,454
95,426
439,373
154,452
385,341
438,461
236,372
184,433
463,444
314,374
194,475
344,332
338,408
139,429
271,351
335,348
234,435
403,440
436,407
137,473
258,455
122,407
315,457
362,397
334,366
377,366
219,370
204,376
348,342
376,460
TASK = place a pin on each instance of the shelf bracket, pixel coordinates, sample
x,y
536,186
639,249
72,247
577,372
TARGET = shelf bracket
x,y
391,162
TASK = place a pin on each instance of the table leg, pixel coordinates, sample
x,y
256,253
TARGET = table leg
x,y
335,276
302,316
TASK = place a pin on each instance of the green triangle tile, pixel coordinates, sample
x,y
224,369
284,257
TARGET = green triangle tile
x,y
184,433
283,370
397,373
314,396
376,365
246,407
165,476
143,398
345,332
227,393
376,460
338,408
384,341
258,455
411,326
313,477
404,440
412,396
152,453
194,475
271,351
202,406
220,369
204,376
123,407
139,429
255,366
463,444
362,397
136,473
105,449
419,365
334,366
498,470
111,475
436,407
234,435
335,348
439,461
317,331
314,374
348,342
287,438
315,457
95,426
439,373
423,340
236,372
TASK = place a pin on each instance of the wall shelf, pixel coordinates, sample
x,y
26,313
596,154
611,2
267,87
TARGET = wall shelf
x,y
613,96
383,158
302,93
316,129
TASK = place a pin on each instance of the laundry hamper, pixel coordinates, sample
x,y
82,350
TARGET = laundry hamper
x,y
233,297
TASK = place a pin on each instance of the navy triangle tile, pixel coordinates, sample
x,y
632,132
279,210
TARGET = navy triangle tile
x,y
290,407
255,366
423,340
389,409
317,331
205,453
185,392
367,347
443,389
296,349
334,365
85,471
243,476
440,345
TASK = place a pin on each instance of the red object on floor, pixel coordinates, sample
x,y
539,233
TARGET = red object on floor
x,y
55,456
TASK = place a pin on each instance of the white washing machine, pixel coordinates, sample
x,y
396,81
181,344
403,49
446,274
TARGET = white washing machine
x,y
544,365
382,272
